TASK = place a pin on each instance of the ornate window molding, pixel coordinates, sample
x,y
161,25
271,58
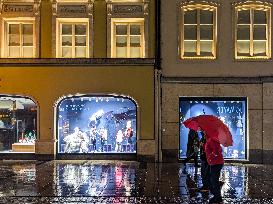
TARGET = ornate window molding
x,y
198,31
252,30
73,12
20,14
129,11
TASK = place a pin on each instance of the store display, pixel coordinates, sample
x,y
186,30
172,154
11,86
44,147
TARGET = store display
x,y
232,111
100,124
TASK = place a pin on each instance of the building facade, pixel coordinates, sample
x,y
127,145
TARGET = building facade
x,y
217,60
78,79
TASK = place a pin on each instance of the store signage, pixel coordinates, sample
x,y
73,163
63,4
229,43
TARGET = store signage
x,y
228,110
127,9
72,8
8,8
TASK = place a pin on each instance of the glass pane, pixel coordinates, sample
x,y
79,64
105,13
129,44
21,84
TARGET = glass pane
x,y
243,47
121,29
66,52
80,51
28,29
14,29
190,48
67,41
121,41
244,17
243,32
206,32
28,40
14,40
190,17
259,17
135,41
121,52
206,17
190,32
259,32
135,30
259,48
206,48
14,52
67,29
80,41
28,52
80,29
135,52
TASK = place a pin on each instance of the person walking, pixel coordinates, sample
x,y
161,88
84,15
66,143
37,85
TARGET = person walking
x,y
215,161
192,148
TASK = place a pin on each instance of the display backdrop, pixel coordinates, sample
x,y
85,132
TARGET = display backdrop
x,y
232,111
96,124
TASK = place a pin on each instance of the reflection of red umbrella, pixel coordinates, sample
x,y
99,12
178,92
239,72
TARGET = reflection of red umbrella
x,y
213,127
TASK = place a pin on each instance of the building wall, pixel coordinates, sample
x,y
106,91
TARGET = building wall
x,y
46,84
223,76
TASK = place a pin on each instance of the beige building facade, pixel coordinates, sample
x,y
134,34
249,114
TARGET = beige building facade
x,y
227,54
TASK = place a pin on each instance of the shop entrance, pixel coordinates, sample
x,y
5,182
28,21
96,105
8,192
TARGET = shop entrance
x,y
18,124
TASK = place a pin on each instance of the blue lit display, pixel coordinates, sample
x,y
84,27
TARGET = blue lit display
x,y
96,124
232,111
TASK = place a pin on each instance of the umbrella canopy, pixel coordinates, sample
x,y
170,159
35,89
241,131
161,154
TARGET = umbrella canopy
x,y
212,126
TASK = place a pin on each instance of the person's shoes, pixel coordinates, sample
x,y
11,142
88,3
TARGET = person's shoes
x,y
203,189
215,200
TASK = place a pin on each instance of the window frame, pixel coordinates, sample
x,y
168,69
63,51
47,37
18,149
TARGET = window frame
x,y
199,7
128,22
20,21
251,8
73,22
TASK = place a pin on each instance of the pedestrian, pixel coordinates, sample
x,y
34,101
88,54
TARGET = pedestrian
x,y
192,148
204,164
215,161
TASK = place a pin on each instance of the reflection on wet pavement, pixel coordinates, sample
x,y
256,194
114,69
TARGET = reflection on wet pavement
x,y
127,182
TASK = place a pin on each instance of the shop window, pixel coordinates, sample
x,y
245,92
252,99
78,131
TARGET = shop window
x,y
252,32
198,32
232,111
19,39
128,38
18,124
96,124
73,38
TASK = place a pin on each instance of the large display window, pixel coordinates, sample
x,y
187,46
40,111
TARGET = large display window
x,y
231,110
18,124
96,124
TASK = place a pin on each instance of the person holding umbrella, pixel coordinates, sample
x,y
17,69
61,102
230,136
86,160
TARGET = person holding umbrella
x,y
192,148
216,133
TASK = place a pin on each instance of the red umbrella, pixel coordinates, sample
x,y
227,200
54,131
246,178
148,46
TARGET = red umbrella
x,y
212,126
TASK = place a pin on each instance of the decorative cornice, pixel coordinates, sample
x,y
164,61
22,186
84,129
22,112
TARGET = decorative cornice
x,y
88,62
218,80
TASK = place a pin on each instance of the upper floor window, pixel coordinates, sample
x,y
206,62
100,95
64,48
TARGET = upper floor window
x,y
19,40
252,32
127,40
72,38
198,32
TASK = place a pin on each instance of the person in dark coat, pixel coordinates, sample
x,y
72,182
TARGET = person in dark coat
x,y
192,148
204,164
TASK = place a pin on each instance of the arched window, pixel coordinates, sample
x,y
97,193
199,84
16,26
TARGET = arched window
x,y
18,124
96,124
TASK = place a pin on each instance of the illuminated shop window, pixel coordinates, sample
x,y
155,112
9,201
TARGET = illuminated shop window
x,y
96,124
252,32
19,39
232,111
198,34
128,38
73,38
18,124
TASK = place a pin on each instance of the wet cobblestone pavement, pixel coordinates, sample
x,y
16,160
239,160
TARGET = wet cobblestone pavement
x,y
126,182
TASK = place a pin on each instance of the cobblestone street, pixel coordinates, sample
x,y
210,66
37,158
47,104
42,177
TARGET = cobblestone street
x,y
127,182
